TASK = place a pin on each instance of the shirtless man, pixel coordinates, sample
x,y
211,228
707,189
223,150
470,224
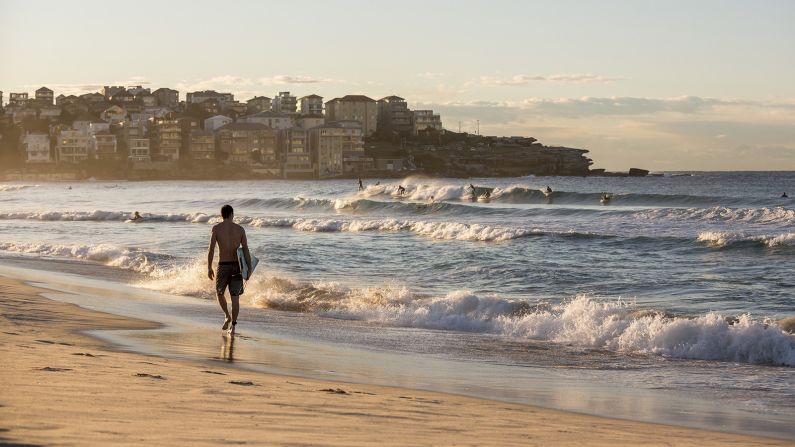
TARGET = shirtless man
x,y
229,236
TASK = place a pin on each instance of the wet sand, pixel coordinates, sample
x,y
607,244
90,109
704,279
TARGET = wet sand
x,y
60,387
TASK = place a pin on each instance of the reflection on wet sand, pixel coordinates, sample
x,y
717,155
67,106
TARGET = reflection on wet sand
x,y
228,347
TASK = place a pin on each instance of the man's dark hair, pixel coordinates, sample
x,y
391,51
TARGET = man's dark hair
x,y
226,211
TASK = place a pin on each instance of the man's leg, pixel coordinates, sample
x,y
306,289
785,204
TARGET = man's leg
x,y
235,309
222,302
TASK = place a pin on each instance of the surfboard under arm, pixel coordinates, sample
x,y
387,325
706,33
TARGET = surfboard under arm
x,y
244,267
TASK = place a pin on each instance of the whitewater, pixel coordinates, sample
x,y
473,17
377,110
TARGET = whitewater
x,y
674,273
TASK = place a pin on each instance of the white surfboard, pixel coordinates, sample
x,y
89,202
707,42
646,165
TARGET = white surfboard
x,y
244,268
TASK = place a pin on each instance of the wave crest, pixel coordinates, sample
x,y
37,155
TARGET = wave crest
x,y
734,239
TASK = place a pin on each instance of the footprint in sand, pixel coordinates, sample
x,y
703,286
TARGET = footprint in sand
x,y
241,382
84,354
213,372
151,376
53,369
334,391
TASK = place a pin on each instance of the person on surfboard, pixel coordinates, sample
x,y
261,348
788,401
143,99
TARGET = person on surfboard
x,y
228,236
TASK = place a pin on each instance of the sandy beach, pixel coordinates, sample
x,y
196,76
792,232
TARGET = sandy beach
x,y
60,387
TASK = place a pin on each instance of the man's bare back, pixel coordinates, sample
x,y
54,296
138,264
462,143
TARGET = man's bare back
x,y
229,236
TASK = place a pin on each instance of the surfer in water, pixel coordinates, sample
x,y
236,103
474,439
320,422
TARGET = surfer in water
x,y
784,195
136,216
361,185
228,236
401,190
548,190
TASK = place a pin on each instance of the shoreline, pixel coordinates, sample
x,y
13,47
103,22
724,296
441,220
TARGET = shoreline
x,y
63,386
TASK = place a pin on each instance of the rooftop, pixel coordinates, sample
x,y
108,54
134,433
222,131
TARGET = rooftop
x,y
354,98
244,126
268,114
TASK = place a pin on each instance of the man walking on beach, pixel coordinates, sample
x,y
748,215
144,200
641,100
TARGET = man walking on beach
x,y
229,236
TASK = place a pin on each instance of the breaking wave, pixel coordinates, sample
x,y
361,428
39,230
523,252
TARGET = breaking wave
x,y
583,321
98,215
528,194
4,188
111,255
732,239
774,215
431,229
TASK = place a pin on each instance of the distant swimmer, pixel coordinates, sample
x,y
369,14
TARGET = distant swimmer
x,y
136,216
431,199
361,185
784,195
378,183
487,194
606,197
548,190
401,190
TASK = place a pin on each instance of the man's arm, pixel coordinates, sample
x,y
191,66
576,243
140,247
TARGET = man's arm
x,y
246,254
210,256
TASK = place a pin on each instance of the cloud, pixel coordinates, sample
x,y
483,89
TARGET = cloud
x,y
286,79
246,86
622,106
523,79
79,89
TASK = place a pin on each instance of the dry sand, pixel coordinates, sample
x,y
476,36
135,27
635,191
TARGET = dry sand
x,y
58,387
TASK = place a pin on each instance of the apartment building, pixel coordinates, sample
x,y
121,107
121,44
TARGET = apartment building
x,y
166,140
216,122
104,145
166,97
258,104
247,143
293,143
274,120
18,99
109,90
36,147
312,105
202,145
394,117
72,146
44,96
114,114
426,120
358,108
138,149
284,102
204,95
331,142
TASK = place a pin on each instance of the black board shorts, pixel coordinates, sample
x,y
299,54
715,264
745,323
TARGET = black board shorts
x,y
228,275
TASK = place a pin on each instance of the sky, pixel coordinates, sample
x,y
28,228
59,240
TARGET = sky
x,y
674,85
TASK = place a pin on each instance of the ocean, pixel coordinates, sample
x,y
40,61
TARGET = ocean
x,y
679,289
